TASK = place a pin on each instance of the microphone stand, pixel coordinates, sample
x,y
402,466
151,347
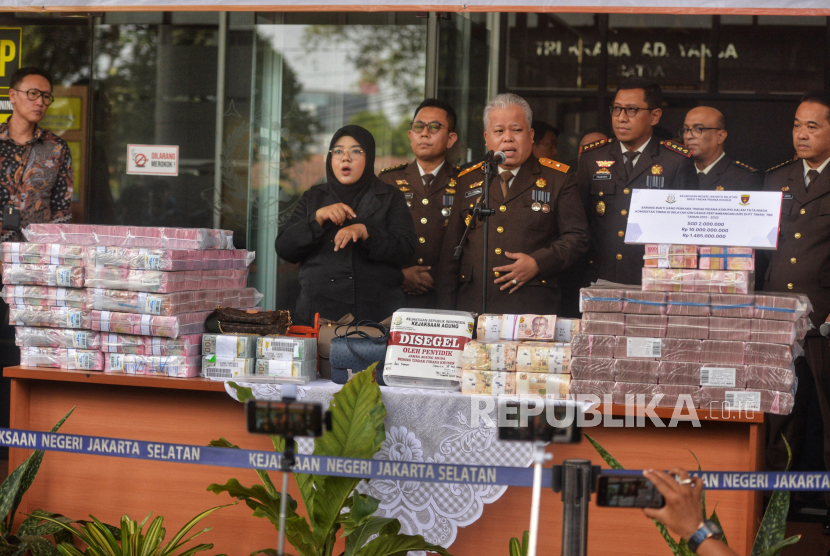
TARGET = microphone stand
x,y
485,214
481,213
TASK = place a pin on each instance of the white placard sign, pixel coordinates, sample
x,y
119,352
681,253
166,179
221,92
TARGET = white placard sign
x,y
722,218
153,160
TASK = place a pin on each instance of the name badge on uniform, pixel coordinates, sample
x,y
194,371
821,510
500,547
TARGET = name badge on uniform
x,y
408,195
472,192
788,196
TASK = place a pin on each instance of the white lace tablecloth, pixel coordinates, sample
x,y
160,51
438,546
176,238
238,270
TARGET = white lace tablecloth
x,y
425,426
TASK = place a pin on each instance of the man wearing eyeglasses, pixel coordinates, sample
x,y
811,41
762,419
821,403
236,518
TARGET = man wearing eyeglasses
x,y
610,170
704,133
429,184
36,177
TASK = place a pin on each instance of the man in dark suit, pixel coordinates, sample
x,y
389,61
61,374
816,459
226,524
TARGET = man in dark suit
x,y
704,133
539,227
802,265
609,170
428,183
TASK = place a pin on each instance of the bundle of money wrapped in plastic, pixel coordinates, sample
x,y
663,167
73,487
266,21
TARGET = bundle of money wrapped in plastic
x,y
519,355
121,299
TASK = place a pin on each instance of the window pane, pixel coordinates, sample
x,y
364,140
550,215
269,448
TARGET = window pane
x,y
673,51
552,52
313,76
796,64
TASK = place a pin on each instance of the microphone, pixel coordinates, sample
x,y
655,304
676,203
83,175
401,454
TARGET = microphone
x,y
825,329
497,157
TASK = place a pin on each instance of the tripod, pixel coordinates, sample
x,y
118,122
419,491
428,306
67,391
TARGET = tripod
x,y
576,480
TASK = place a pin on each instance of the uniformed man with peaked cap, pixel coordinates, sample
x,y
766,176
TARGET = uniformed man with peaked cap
x,y
429,185
539,227
704,133
610,170
801,264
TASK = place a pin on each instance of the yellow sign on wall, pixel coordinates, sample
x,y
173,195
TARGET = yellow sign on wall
x,y
11,39
64,114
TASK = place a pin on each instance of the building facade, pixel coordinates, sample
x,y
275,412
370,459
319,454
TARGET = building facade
x,y
251,99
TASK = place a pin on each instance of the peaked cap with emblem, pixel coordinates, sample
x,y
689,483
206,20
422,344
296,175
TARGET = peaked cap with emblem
x,y
392,168
676,147
594,145
783,164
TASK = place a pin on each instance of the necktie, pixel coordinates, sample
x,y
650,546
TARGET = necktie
x,y
427,180
812,175
505,176
628,161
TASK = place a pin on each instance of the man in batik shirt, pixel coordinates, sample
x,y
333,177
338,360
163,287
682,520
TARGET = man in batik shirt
x,y
35,165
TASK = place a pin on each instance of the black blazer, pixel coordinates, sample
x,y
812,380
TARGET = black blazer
x,y
364,278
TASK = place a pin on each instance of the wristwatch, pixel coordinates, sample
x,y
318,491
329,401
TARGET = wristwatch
x,y
706,530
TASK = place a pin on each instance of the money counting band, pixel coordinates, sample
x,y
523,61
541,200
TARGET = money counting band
x,y
691,304
373,469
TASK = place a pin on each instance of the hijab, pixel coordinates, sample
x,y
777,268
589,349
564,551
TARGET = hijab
x,y
352,193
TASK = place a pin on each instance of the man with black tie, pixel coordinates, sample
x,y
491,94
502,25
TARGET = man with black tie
x,y
802,265
428,183
704,133
609,170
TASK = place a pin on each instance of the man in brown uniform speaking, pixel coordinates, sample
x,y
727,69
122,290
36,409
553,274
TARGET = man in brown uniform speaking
x,y
802,265
538,229
428,184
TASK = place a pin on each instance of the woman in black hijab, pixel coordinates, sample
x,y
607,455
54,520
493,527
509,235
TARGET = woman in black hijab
x,y
350,236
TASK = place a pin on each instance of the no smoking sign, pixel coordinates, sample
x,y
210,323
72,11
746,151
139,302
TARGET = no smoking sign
x,y
153,160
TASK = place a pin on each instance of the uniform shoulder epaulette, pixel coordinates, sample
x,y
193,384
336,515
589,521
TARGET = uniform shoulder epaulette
x,y
471,168
393,168
783,164
555,165
744,166
594,145
675,147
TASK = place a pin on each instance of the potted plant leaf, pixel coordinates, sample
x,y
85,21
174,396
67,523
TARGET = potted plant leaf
x,y
331,503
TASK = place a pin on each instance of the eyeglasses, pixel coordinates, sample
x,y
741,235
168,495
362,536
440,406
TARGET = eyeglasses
x,y
34,94
630,111
432,127
354,154
696,131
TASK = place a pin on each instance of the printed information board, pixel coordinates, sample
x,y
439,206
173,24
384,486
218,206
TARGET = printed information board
x,y
722,218
153,160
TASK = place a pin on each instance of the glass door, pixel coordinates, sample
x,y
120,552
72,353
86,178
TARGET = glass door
x,y
314,73
463,66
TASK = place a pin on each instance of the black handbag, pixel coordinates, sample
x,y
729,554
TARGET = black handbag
x,y
355,350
